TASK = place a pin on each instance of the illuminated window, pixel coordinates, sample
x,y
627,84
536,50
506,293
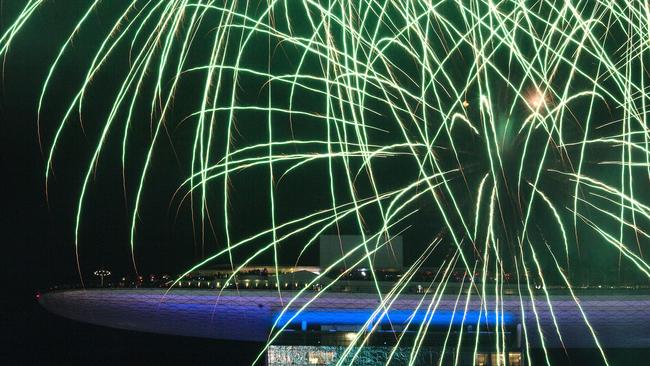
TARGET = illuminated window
x,y
320,357
481,359
514,359
498,359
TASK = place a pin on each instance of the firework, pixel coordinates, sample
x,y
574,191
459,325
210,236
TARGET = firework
x,y
510,136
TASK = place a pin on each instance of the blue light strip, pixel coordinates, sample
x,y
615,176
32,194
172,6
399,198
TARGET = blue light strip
x,y
396,317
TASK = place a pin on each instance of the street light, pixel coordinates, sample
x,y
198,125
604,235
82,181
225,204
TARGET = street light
x,y
101,273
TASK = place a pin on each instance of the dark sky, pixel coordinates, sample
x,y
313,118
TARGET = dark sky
x,y
165,240
40,231
36,241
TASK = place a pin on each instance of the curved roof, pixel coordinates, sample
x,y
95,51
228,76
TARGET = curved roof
x,y
619,321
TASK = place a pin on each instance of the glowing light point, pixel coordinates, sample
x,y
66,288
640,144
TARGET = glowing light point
x,y
536,100
101,273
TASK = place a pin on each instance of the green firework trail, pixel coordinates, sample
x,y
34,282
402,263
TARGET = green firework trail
x,y
510,136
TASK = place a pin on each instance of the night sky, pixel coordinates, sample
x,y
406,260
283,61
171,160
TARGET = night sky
x,y
168,239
